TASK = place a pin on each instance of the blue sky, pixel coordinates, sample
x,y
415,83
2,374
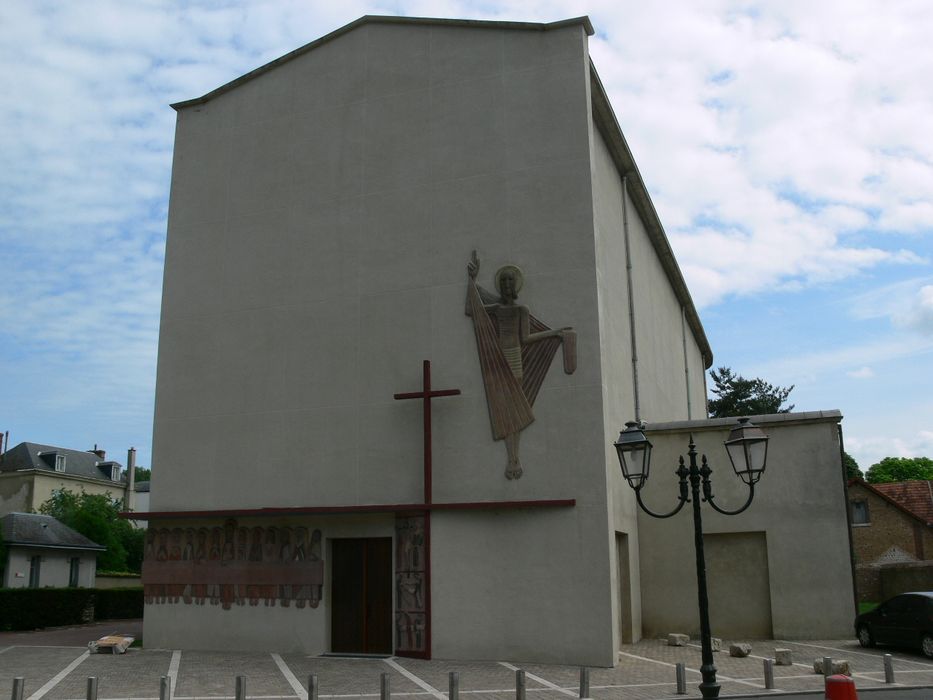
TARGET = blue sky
x,y
786,147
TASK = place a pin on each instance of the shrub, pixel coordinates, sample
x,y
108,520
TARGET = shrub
x,y
31,608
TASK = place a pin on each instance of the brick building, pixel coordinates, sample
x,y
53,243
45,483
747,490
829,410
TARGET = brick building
x,y
891,522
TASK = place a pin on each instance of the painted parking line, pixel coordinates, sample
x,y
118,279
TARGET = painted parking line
x,y
861,653
290,677
5,649
57,678
719,676
414,679
540,680
173,672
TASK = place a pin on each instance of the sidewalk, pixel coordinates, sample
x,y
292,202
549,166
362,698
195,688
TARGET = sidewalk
x,y
56,670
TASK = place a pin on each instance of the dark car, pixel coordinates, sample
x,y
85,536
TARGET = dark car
x,y
905,620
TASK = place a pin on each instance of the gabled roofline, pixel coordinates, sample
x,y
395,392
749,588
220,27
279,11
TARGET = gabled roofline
x,y
881,494
609,129
583,21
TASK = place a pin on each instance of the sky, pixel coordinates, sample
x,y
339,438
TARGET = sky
x,y
786,146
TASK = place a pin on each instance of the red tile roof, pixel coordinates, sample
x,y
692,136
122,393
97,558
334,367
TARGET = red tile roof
x,y
914,496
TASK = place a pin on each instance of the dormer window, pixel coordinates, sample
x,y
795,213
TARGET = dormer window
x,y
59,463
109,470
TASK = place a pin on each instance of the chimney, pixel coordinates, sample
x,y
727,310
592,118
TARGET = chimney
x,y
130,501
99,453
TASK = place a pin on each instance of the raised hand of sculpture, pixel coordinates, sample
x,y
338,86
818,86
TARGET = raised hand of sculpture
x,y
515,352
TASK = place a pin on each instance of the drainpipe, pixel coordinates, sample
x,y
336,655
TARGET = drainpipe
x,y
683,336
631,297
130,501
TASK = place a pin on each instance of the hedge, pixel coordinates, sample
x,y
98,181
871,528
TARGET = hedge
x,y
118,603
32,608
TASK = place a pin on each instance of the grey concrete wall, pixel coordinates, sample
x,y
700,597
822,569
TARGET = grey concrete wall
x,y
800,506
659,332
321,219
618,382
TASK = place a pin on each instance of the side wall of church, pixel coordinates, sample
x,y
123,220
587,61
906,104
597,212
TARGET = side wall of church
x,y
322,216
669,368
618,394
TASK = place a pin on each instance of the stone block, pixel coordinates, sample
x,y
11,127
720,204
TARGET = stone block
x,y
716,643
783,657
677,640
740,650
840,667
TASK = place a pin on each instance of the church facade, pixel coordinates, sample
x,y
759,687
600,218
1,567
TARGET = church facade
x,y
414,286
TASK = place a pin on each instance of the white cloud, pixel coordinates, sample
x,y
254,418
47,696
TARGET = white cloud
x,y
908,304
861,373
777,142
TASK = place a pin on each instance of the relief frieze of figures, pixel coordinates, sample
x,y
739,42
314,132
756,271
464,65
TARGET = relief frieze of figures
x,y
410,582
233,565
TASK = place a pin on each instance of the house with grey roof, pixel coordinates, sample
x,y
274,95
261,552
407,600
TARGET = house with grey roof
x,y
43,552
30,472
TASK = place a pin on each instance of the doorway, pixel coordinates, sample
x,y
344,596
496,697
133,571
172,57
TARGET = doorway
x,y
361,596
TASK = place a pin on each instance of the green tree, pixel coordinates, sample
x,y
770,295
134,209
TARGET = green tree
x,y
143,474
96,516
900,469
852,468
738,396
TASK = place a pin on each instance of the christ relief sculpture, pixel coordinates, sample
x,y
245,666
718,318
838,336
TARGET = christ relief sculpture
x,y
515,352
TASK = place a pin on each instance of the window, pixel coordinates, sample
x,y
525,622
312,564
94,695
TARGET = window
x,y
35,563
73,572
59,463
860,514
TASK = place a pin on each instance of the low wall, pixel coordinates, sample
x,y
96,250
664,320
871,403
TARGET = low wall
x,y
878,582
117,581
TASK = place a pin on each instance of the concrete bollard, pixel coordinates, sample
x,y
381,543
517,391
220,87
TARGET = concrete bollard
x,y
18,683
312,687
385,692
769,674
519,685
453,685
165,688
680,672
92,688
783,657
584,682
240,688
888,668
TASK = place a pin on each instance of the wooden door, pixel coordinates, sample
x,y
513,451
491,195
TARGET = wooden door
x,y
361,610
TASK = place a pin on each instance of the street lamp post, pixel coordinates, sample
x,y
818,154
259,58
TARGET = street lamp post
x,y
747,447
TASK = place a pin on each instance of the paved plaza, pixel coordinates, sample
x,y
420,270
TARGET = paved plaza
x,y
56,666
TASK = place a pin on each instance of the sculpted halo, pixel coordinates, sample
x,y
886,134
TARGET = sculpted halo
x,y
516,273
